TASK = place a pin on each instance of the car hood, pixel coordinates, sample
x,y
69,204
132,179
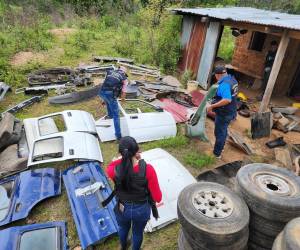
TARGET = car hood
x,y
28,188
87,186
170,184
10,237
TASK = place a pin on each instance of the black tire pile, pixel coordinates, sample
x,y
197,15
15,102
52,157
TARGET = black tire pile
x,y
289,238
273,198
212,218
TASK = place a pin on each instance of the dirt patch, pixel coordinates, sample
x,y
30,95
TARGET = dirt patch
x,y
62,32
23,57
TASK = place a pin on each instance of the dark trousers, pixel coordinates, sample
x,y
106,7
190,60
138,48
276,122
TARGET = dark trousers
x,y
135,216
221,126
112,109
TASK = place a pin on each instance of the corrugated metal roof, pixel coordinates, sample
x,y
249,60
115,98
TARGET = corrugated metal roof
x,y
246,14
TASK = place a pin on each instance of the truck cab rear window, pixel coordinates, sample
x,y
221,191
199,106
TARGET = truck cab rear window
x,y
46,239
5,198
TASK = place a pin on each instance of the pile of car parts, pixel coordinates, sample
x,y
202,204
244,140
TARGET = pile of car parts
x,y
58,75
273,197
212,218
289,238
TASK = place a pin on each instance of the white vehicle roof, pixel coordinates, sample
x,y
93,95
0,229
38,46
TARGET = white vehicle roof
x,y
65,146
68,120
172,178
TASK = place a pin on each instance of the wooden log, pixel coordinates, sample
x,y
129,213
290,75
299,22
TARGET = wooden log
x,y
275,71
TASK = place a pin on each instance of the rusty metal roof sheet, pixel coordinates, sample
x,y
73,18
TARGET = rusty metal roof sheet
x,y
246,14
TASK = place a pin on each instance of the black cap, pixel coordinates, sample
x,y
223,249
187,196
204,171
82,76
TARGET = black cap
x,y
220,69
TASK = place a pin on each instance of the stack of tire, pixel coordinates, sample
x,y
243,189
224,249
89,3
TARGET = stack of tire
x,y
212,218
273,197
289,238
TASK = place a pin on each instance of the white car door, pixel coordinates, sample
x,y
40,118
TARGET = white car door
x,y
141,120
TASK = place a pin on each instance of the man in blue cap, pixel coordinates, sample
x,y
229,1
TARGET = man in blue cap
x,y
113,87
224,104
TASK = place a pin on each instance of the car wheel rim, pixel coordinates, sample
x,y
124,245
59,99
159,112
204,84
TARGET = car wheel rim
x,y
212,204
273,184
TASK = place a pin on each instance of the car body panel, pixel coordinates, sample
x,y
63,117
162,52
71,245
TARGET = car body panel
x,y
4,88
26,190
10,238
74,121
142,126
87,186
172,177
76,96
65,146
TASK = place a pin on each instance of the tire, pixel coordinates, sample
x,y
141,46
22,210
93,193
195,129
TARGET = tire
x,y
240,244
253,246
182,241
201,226
261,239
264,226
270,191
278,243
291,236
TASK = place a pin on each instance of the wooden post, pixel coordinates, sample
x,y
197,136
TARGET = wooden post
x,y
275,71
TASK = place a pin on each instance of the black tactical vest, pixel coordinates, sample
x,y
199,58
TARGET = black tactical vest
x,y
139,185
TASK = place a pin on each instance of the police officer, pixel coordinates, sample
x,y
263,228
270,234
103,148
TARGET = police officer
x,y
113,87
136,189
224,104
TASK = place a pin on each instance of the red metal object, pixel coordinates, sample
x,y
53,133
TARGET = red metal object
x,y
197,97
179,112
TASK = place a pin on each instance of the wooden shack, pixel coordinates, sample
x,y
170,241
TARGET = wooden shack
x,y
201,35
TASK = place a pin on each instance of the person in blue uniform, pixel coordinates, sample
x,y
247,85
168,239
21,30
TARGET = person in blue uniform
x,y
224,104
112,88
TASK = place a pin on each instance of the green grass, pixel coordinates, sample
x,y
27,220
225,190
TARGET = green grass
x,y
197,160
177,142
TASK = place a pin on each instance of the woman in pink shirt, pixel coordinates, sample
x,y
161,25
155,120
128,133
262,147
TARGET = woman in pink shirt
x,y
135,184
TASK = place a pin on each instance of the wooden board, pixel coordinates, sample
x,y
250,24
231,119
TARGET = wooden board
x,y
275,71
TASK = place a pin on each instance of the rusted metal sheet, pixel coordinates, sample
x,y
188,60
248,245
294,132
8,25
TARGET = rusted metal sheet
x,y
208,53
193,49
